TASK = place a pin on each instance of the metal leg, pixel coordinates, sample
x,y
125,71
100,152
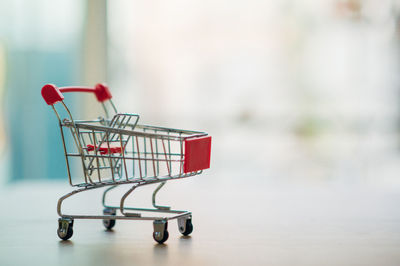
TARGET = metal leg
x,y
154,198
109,217
104,197
122,202
60,200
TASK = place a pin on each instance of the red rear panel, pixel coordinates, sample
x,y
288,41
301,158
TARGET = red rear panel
x,y
197,154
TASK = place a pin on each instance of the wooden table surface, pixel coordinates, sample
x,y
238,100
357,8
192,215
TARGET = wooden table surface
x,y
236,222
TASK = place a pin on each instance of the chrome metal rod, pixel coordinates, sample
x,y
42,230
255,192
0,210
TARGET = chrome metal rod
x,y
153,198
120,217
121,206
103,198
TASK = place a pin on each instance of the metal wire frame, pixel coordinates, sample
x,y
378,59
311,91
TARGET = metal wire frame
x,y
147,152
155,149
121,130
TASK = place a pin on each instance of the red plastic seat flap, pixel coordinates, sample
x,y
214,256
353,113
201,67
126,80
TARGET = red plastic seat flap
x,y
197,154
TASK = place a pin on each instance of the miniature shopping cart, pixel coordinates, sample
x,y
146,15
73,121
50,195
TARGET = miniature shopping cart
x,y
115,150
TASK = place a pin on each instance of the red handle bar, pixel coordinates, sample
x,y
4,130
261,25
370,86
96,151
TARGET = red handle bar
x,y
52,94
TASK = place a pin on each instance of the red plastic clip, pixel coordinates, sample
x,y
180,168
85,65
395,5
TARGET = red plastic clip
x,y
104,149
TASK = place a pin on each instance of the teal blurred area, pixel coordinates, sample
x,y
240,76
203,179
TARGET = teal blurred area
x,y
40,46
31,125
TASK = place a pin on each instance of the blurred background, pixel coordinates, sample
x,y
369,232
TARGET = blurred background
x,y
302,99
292,91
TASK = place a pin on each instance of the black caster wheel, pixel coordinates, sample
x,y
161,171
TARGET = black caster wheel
x,y
109,223
64,230
185,226
160,233
161,238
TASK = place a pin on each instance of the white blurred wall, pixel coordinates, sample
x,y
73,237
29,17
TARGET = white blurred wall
x,y
311,87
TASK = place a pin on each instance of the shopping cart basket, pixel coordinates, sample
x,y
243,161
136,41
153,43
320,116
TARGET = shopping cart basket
x,y
115,150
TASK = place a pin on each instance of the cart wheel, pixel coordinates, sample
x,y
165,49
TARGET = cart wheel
x,y
161,239
160,233
64,230
187,229
109,223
